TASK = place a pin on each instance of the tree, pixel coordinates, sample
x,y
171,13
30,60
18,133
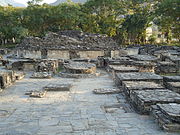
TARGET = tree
x,y
167,18
105,15
133,29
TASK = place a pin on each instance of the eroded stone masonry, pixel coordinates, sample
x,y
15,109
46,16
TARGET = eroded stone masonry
x,y
75,83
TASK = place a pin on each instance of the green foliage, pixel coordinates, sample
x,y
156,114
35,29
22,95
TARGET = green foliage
x,y
152,39
167,18
127,20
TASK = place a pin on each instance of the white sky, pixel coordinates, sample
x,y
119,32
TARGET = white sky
x,y
25,1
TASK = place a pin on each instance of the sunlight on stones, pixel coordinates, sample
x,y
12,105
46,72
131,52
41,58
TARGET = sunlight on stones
x,y
72,82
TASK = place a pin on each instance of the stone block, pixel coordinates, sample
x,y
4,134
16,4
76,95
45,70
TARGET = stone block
x,y
121,69
174,86
144,58
41,75
137,76
119,61
19,75
106,91
77,76
80,68
7,77
58,87
130,86
166,67
171,78
167,116
143,99
144,66
36,93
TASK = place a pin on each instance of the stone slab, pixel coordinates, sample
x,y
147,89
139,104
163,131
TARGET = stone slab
x,y
106,91
163,114
171,78
58,87
121,69
174,86
166,67
137,76
80,68
36,93
129,86
171,111
143,99
41,75
77,76
143,57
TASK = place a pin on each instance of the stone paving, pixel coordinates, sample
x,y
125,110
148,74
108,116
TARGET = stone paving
x,y
75,112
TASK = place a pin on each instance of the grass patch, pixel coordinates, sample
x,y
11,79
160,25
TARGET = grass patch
x,y
9,46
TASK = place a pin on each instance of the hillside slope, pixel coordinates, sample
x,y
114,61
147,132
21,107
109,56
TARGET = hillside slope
x,y
11,2
61,1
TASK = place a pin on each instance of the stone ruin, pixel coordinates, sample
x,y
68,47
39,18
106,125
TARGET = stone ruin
x,y
50,87
147,76
79,70
70,40
150,81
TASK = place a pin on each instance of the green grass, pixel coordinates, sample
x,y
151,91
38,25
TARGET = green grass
x,y
170,74
60,69
9,46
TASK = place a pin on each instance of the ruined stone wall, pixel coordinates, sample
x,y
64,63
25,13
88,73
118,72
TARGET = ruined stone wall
x,y
58,54
29,54
90,54
115,53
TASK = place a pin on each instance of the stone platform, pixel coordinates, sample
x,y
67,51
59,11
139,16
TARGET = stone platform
x,y
130,86
167,116
144,58
143,99
139,76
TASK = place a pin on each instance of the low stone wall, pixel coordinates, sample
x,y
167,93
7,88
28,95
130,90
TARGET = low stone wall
x,y
90,54
58,54
28,54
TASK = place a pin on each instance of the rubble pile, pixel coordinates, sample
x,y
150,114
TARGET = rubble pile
x,y
38,65
36,93
70,40
79,70
7,78
46,66
19,75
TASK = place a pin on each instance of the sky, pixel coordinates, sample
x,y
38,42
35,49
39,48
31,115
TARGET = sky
x,y
25,1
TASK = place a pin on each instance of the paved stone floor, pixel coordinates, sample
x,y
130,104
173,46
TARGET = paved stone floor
x,y
79,112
